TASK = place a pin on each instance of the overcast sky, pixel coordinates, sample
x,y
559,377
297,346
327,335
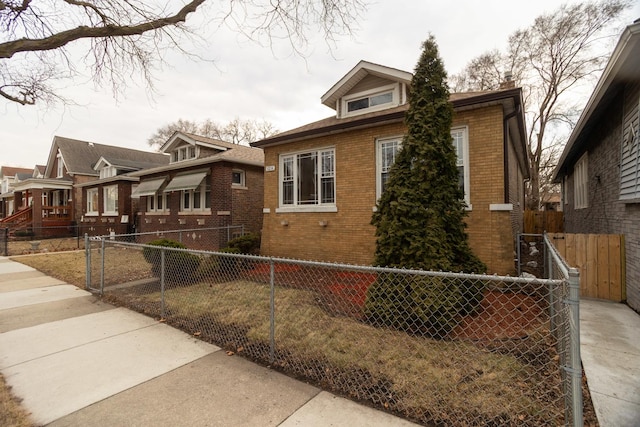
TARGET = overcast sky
x,y
251,82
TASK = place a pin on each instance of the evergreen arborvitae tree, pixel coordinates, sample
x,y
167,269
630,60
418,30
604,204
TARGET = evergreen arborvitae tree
x,y
420,216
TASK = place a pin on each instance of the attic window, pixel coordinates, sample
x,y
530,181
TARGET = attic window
x,y
375,99
369,101
187,152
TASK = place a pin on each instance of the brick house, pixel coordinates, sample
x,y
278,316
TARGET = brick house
x,y
9,177
322,180
600,166
57,199
207,184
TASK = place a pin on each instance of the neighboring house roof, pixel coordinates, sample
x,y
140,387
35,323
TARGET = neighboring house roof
x,y
39,171
621,69
233,153
13,171
80,157
24,175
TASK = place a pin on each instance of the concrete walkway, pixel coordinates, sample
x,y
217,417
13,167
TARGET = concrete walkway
x,y
610,350
76,361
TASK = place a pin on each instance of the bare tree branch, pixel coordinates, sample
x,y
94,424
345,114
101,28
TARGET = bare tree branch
x,y
559,51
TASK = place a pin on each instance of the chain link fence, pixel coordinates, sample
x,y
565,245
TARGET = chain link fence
x,y
68,238
436,348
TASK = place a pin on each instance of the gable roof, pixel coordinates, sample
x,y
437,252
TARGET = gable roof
x,y
622,68
234,153
193,139
81,156
357,74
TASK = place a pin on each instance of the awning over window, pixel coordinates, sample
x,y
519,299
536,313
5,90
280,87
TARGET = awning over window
x,y
185,182
148,188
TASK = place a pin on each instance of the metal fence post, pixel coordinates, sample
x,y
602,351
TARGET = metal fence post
x,y
272,303
102,270
575,370
6,241
87,257
519,255
162,274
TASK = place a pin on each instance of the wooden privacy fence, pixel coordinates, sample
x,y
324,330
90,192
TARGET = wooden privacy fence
x,y
600,259
537,222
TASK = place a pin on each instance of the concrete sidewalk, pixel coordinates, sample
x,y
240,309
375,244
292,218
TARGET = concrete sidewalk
x,y
610,351
76,361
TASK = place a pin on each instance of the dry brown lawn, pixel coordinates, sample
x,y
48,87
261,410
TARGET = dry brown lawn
x,y
11,413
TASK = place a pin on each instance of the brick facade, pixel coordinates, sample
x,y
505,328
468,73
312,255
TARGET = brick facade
x,y
102,224
347,236
230,205
605,213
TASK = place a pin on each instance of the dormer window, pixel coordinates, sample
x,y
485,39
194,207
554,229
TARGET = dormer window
x,y
187,152
372,100
369,101
108,172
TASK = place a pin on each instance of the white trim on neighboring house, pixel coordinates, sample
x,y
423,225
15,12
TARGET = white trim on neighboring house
x,y
238,178
60,165
92,202
581,183
110,200
322,198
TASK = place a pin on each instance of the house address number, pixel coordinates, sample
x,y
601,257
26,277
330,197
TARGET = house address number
x,y
269,168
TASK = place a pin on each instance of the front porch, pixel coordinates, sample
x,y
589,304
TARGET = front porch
x,y
43,208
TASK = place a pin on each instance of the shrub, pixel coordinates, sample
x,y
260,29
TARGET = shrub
x,y
246,244
179,266
430,306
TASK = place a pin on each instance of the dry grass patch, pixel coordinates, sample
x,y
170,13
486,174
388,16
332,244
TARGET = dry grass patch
x,y
11,413
423,379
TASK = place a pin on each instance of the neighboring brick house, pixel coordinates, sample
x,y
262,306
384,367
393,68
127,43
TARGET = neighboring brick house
x,y
207,184
322,180
600,166
9,176
57,199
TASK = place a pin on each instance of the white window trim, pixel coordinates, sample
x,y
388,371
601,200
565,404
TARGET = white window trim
x,y
320,207
60,165
243,179
105,192
379,143
184,157
155,210
94,209
191,210
465,164
581,183
395,93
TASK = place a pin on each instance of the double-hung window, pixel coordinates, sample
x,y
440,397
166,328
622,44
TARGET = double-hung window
x,y
196,200
307,180
158,202
386,152
460,136
110,199
92,201
580,183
